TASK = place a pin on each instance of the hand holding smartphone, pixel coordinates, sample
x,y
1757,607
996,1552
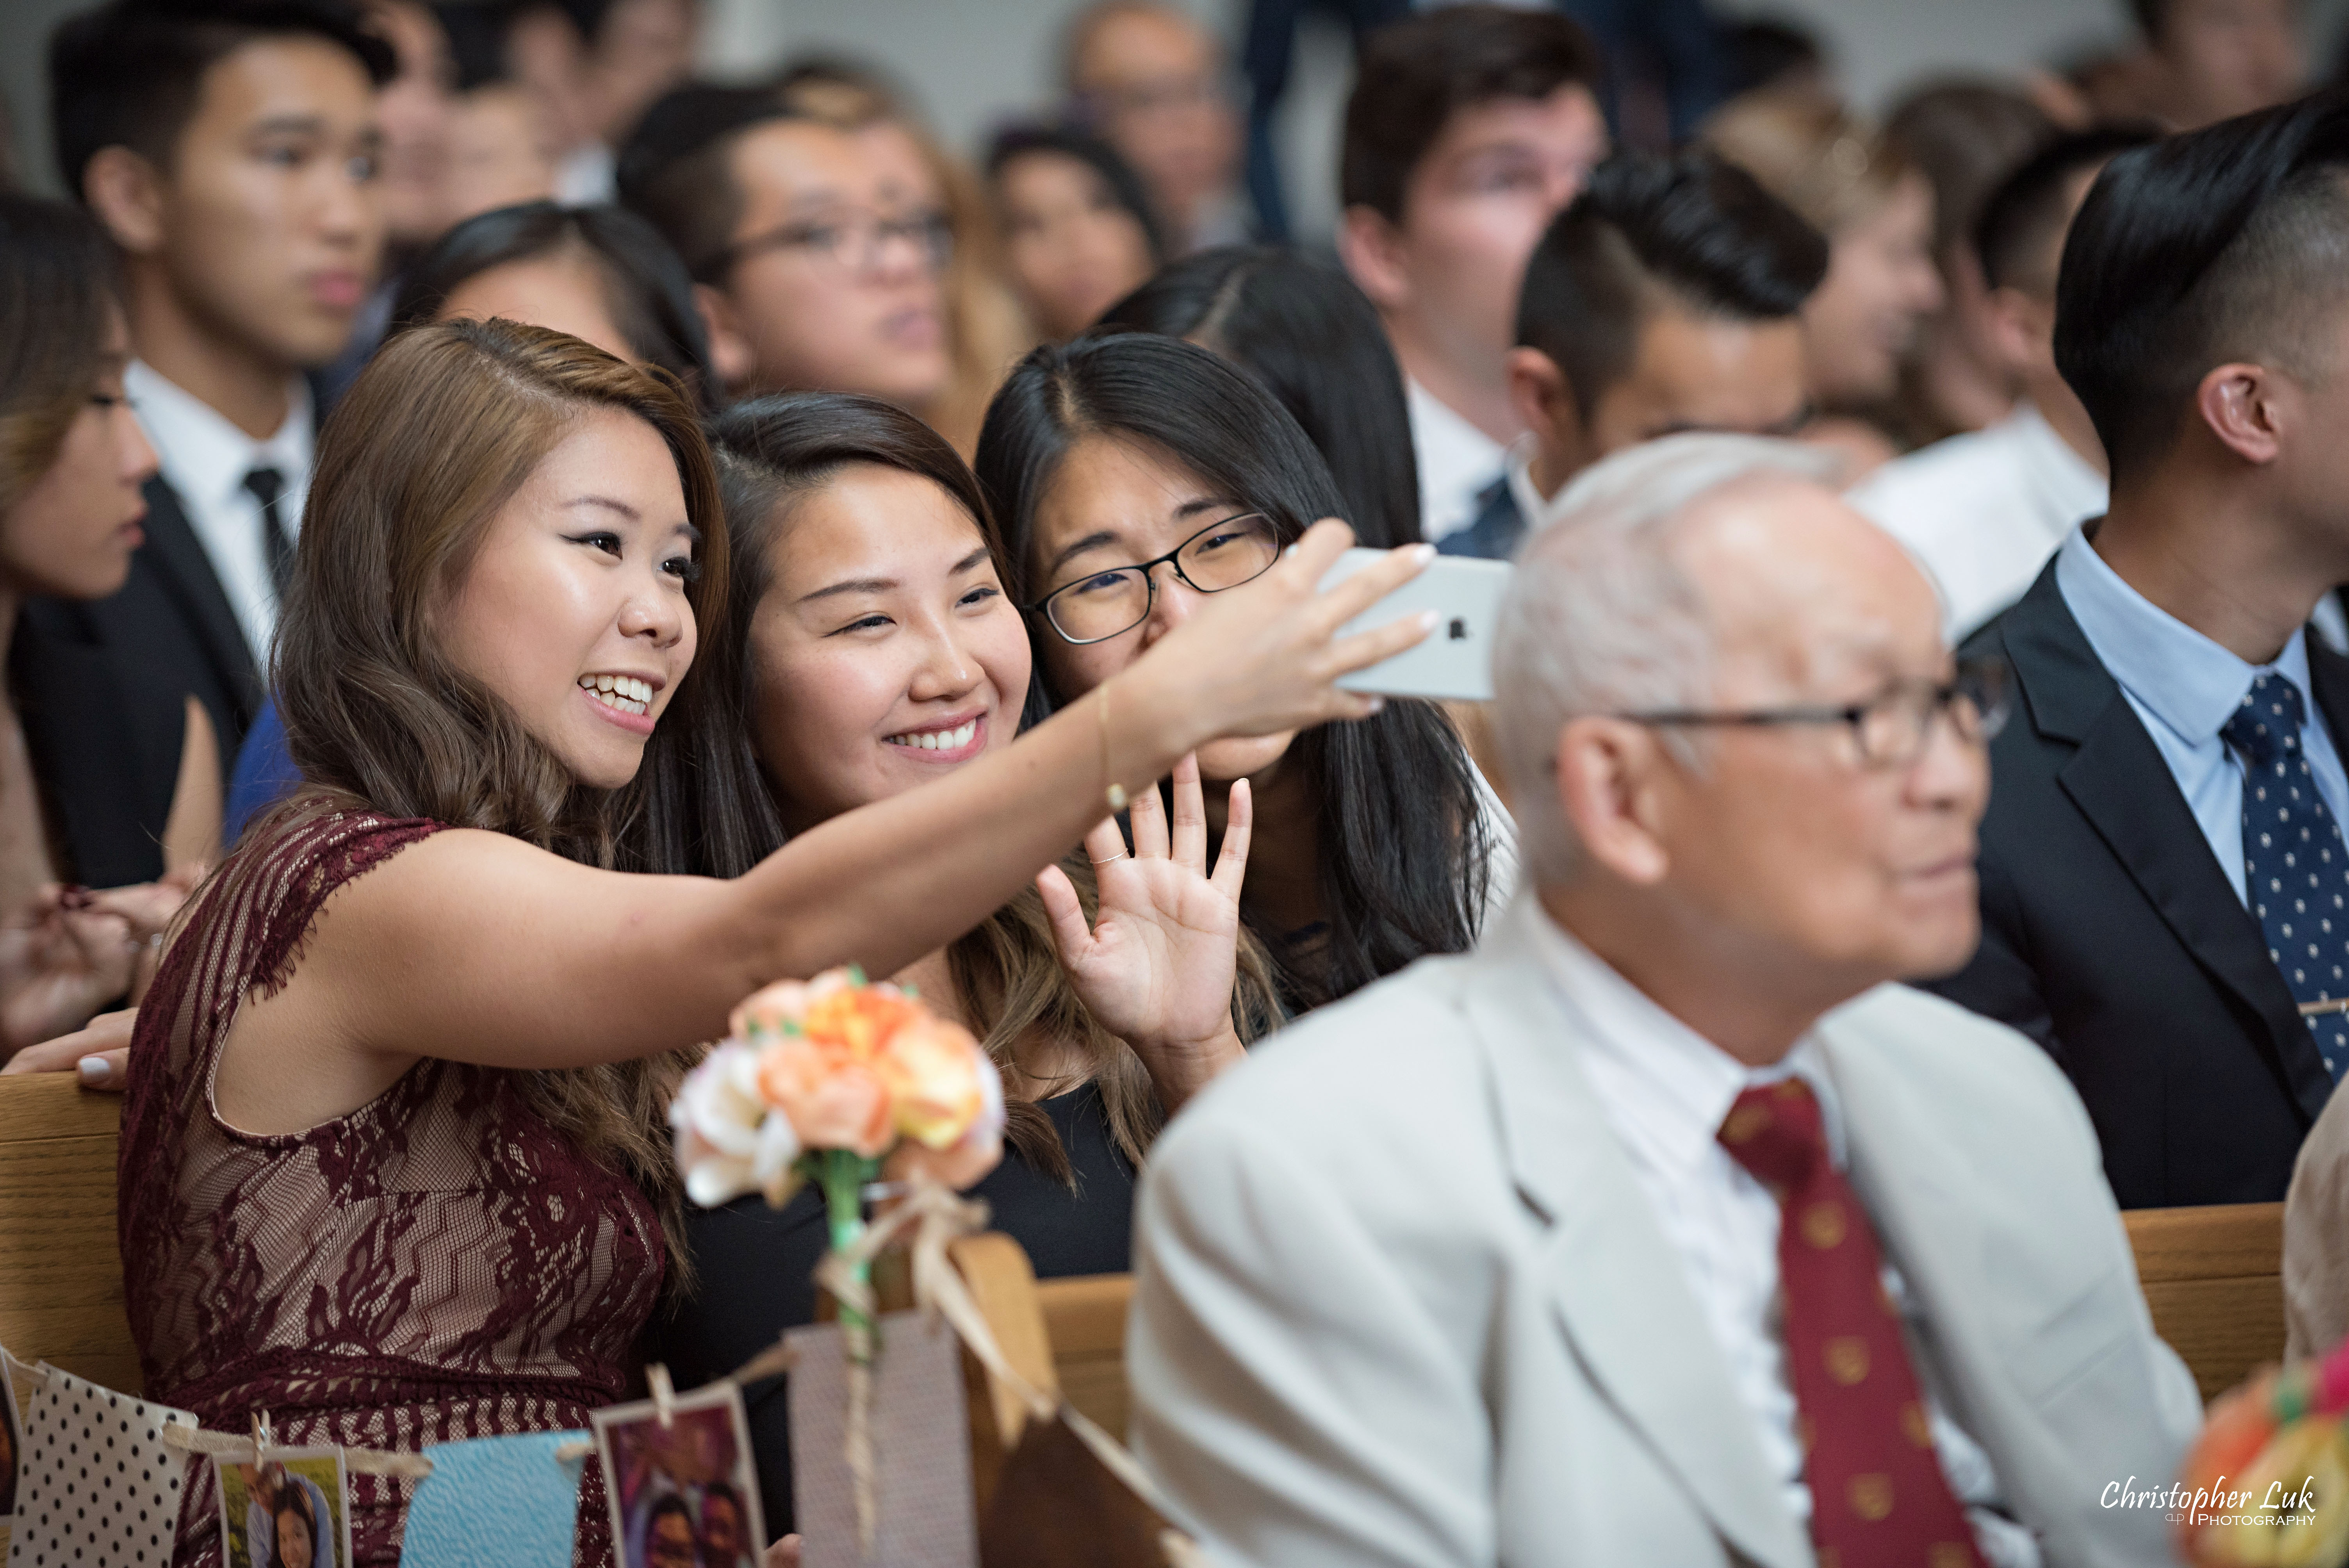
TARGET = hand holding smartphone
x,y
1457,660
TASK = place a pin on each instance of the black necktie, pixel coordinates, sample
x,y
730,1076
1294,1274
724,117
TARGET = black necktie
x,y
267,485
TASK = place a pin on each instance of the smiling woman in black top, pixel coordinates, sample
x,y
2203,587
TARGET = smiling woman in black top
x,y
881,651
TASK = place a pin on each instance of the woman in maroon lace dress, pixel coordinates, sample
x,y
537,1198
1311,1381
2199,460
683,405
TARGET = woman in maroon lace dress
x,y
393,1166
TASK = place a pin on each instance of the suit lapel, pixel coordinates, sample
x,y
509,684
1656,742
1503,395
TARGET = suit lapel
x,y
178,559
1621,1295
2117,779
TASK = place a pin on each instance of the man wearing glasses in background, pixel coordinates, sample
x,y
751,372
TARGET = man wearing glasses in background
x,y
2164,887
1655,1228
809,278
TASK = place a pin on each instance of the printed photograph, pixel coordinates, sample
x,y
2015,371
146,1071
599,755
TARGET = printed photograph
x,y
290,1513
683,1494
11,1442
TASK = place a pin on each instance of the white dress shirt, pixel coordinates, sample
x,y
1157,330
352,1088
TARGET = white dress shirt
x,y
205,459
2184,687
586,175
1457,462
1666,1091
1981,512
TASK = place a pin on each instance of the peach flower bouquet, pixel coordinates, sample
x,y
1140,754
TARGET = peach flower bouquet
x,y
836,1080
2267,1486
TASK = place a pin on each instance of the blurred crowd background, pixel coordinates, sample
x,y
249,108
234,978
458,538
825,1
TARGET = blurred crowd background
x,y
972,66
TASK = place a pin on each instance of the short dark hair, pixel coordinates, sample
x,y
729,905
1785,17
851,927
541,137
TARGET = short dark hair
x,y
1302,328
675,171
1693,229
2196,250
1124,185
1762,53
644,286
1414,75
720,1492
2024,219
129,74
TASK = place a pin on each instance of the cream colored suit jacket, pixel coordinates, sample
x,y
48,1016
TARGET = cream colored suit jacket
x,y
1401,1299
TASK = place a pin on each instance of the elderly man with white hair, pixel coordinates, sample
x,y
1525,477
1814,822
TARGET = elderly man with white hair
x,y
1666,1228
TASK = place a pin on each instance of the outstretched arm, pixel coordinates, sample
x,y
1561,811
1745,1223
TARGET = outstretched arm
x,y
476,947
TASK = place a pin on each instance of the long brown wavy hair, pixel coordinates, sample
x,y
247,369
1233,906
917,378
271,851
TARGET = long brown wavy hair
x,y
436,434
774,452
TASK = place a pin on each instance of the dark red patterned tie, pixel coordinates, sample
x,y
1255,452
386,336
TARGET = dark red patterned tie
x,y
1878,1498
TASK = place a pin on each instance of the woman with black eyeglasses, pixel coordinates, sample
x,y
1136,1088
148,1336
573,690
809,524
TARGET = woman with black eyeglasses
x,y
1133,475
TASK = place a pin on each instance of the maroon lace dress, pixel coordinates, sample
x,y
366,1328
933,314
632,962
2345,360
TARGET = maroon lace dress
x,y
438,1265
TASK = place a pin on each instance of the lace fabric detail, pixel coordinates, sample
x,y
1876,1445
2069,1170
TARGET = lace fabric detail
x,y
437,1264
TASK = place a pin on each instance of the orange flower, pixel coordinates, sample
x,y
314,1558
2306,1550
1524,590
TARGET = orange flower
x,y
834,1098
961,1166
962,1163
859,1020
931,1068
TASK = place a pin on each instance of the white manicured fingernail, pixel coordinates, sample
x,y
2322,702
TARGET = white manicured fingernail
x,y
91,1069
1423,553
1378,703
1428,620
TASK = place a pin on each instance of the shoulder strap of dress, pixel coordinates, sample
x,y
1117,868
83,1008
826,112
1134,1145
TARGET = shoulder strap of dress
x,y
241,933
304,862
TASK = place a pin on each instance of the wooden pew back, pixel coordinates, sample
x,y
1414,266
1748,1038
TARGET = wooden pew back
x,y
2213,1277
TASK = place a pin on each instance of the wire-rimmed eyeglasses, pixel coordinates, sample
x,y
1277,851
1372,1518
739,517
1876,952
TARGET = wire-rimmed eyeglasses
x,y
855,242
1890,728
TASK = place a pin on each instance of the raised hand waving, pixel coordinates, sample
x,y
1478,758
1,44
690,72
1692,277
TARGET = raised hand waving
x,y
1155,967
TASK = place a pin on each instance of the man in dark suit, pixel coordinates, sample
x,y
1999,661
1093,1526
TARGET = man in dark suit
x,y
1667,298
228,147
2164,885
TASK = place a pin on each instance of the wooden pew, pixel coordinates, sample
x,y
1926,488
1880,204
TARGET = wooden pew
x,y
2214,1280
60,1265
1084,1323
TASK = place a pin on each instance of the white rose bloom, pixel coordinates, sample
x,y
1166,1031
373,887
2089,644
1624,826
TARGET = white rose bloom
x,y
729,1143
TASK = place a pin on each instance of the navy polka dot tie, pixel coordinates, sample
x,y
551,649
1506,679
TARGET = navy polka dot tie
x,y
2295,865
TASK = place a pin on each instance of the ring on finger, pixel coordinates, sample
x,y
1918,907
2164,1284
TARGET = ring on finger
x,y
1107,860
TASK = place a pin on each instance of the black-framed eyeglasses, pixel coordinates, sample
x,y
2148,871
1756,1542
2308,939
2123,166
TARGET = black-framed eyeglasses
x,y
855,242
1891,730
1103,604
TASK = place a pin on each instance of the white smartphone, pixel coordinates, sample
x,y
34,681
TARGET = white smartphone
x,y
1456,659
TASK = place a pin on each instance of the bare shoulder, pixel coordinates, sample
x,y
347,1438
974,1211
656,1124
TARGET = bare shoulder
x,y
451,879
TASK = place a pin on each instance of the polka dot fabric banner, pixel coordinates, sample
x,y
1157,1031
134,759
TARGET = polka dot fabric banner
x,y
97,1484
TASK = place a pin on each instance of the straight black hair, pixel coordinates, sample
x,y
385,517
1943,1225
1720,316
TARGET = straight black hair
x,y
2194,251
1302,328
1401,843
2023,220
129,74
1124,185
1693,229
644,286
676,171
1416,74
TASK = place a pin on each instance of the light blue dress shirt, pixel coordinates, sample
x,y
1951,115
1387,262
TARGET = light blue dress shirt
x,y
2183,687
